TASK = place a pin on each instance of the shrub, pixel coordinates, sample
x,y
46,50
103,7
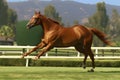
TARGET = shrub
x,y
59,62
12,62
73,63
27,37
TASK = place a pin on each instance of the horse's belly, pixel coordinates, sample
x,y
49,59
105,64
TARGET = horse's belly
x,y
68,38
66,43
63,45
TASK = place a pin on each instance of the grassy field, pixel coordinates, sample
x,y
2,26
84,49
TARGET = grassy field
x,y
58,73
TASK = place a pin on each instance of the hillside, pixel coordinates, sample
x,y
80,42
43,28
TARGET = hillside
x,y
68,10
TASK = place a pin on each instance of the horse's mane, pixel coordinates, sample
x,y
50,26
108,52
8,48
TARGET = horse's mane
x,y
53,21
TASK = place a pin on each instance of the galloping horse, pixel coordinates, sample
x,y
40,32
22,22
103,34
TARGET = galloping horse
x,y
55,35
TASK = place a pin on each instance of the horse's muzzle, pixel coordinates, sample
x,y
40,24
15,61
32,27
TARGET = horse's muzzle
x,y
28,26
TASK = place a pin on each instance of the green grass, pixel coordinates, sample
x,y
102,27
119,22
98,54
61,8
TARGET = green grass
x,y
58,73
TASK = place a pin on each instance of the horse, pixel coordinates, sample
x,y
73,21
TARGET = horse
x,y
56,35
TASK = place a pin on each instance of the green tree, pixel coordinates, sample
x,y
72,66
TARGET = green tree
x,y
75,22
7,16
28,37
114,25
6,32
51,12
99,20
12,17
3,12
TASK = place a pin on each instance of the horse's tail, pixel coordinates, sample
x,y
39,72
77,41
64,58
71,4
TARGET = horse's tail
x,y
102,36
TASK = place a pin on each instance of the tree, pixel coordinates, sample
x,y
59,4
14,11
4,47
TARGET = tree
x,y
12,17
6,32
51,12
114,22
7,16
75,22
99,20
114,25
3,12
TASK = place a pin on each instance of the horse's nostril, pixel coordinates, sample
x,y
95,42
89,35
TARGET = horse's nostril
x,y
27,27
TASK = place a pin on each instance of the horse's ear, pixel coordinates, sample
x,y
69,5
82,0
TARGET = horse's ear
x,y
35,12
38,12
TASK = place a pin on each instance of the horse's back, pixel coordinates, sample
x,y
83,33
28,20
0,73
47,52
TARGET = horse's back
x,y
73,35
82,30
76,31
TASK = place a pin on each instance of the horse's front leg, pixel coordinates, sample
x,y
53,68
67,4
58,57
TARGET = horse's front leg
x,y
45,49
41,45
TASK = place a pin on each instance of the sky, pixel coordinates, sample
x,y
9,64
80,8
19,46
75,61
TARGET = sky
x,y
112,2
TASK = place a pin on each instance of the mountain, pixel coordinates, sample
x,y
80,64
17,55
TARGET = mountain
x,y
68,10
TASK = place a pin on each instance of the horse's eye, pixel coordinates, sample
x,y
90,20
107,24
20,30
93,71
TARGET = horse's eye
x,y
36,18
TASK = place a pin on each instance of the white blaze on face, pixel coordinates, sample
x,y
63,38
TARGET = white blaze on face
x,y
32,21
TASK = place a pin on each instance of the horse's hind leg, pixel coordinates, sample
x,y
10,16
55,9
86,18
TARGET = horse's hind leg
x,y
90,53
81,50
84,61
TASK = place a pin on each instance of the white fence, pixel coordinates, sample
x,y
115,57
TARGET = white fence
x,y
17,51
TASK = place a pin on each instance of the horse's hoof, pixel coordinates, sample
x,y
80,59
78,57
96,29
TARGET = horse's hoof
x,y
84,67
22,56
36,58
92,70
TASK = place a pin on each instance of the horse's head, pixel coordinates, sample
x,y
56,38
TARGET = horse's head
x,y
35,20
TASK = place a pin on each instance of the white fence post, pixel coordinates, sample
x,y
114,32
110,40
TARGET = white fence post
x,y
96,52
3,52
27,59
27,62
46,54
78,55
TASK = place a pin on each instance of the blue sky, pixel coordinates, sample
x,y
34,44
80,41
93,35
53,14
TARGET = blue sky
x,y
112,2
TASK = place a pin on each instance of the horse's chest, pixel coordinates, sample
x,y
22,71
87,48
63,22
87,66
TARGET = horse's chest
x,y
50,36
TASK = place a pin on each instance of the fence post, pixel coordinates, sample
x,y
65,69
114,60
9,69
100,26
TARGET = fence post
x,y
3,52
78,55
56,52
46,54
27,59
96,52
27,62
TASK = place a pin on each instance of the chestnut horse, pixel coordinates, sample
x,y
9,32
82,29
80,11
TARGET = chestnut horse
x,y
55,35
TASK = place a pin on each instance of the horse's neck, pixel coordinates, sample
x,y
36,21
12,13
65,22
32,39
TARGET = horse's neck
x,y
48,26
